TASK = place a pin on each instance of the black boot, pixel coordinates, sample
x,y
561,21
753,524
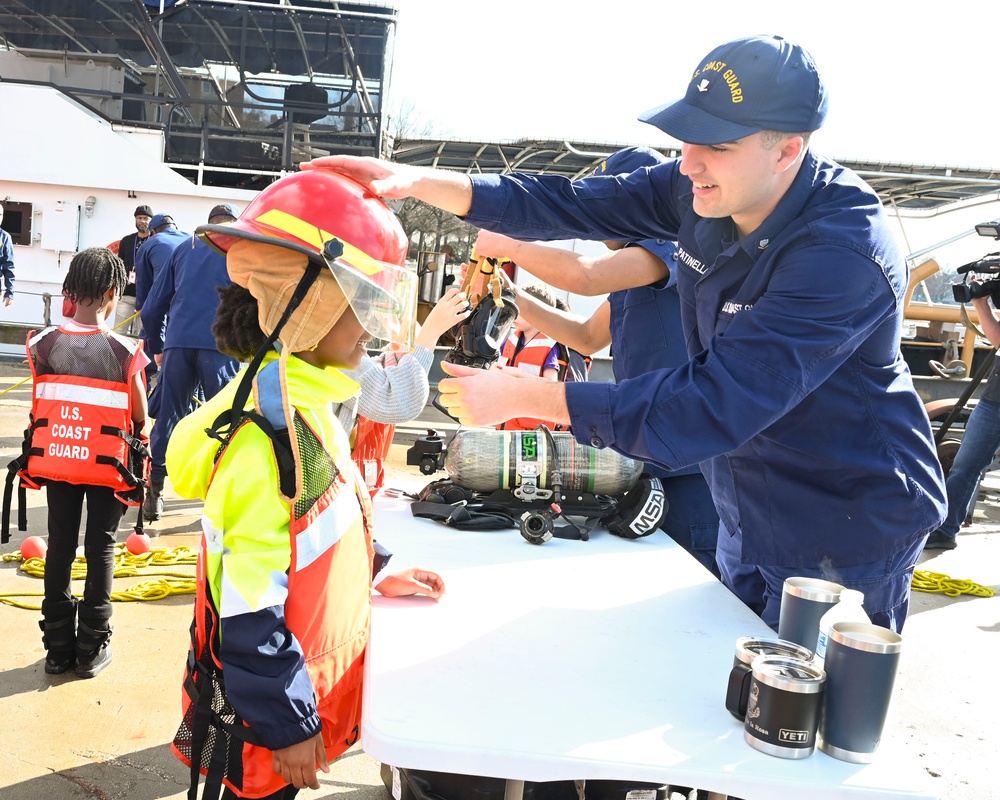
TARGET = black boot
x,y
152,506
93,635
58,626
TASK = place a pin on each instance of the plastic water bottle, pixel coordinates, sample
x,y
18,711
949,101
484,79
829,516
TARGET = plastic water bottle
x,y
849,609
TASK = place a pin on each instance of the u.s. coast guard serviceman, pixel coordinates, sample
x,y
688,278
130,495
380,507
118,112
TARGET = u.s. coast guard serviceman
x,y
641,320
796,400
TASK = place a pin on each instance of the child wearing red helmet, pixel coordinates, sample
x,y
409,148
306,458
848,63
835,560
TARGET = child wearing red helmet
x,y
273,686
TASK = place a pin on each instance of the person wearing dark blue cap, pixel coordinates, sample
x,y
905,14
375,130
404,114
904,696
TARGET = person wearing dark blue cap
x,y
164,237
795,399
641,324
177,318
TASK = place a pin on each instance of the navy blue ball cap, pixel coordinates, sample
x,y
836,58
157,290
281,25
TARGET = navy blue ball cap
x,y
160,219
223,210
760,83
629,160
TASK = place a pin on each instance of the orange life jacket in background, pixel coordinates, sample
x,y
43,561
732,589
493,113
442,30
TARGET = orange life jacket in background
x,y
81,428
372,441
78,432
529,359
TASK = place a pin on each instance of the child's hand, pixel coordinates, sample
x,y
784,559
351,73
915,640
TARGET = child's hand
x,y
451,309
412,581
296,764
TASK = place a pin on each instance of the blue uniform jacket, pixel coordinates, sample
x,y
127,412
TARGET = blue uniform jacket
x,y
796,399
7,263
646,331
154,255
187,287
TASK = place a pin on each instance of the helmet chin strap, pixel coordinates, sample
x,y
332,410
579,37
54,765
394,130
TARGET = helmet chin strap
x,y
228,421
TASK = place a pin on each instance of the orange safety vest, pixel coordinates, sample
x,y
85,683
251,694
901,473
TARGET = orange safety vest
x,y
530,359
81,427
328,610
372,442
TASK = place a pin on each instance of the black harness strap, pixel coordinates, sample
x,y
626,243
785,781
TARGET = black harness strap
x,y
229,420
462,517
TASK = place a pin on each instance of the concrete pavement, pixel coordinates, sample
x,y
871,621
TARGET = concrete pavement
x,y
107,738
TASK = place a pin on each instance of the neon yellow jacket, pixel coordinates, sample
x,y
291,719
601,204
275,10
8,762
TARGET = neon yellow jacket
x,y
247,562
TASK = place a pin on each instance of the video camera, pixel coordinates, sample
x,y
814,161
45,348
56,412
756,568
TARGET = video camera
x,y
966,292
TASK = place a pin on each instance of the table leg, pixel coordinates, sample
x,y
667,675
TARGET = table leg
x,y
513,790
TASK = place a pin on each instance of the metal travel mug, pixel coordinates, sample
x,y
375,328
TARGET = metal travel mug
x,y
747,649
784,706
804,601
861,662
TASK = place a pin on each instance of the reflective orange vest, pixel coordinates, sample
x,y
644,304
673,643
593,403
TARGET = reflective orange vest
x,y
530,359
327,609
81,427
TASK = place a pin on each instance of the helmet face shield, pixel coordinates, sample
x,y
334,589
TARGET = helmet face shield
x,y
383,296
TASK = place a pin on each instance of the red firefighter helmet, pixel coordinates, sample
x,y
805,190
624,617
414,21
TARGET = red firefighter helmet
x,y
315,212
306,209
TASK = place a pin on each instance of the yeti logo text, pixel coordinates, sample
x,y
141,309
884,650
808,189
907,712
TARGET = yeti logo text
x,y
787,735
690,261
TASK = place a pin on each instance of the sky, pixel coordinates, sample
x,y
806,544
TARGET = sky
x,y
908,83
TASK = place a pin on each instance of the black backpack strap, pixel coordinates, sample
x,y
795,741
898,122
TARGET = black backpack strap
x,y
462,517
8,492
230,419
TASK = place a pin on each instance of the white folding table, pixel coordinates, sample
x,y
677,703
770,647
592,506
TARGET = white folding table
x,y
600,659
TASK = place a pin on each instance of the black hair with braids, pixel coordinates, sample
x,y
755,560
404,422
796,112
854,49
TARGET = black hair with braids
x,y
237,328
92,272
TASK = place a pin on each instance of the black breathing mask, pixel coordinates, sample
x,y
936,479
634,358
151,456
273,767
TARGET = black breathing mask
x,y
480,337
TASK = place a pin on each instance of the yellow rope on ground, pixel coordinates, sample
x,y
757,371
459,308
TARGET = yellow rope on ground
x,y
945,584
127,565
12,388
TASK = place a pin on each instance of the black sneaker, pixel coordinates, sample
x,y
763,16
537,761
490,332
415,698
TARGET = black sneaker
x,y
940,541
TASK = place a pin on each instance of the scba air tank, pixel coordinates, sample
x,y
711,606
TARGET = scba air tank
x,y
486,460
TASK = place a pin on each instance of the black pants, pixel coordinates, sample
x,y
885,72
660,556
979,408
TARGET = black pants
x,y
104,512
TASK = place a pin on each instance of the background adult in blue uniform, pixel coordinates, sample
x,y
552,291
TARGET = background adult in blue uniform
x,y
642,324
795,400
6,264
164,238
177,317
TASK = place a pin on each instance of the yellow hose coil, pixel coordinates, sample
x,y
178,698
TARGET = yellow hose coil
x,y
945,584
145,565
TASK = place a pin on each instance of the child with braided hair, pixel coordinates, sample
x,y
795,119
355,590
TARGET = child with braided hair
x,y
72,365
